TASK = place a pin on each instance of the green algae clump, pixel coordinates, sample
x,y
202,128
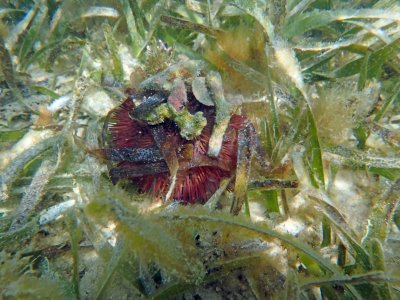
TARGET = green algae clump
x,y
190,125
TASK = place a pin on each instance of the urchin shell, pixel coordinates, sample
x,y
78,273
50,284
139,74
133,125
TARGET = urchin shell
x,y
199,175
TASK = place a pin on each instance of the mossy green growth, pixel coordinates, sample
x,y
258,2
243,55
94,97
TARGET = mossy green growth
x,y
190,125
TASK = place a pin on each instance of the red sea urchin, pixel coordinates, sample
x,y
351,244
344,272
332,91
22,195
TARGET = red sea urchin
x,y
138,157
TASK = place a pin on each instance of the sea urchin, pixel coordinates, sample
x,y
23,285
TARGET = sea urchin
x,y
139,159
174,144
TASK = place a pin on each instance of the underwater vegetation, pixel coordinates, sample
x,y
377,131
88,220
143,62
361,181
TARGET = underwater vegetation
x,y
199,149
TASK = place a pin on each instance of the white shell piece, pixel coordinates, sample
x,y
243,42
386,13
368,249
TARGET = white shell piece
x,y
100,11
53,212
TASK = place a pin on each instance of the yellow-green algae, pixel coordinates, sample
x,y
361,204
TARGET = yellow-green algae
x,y
190,125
